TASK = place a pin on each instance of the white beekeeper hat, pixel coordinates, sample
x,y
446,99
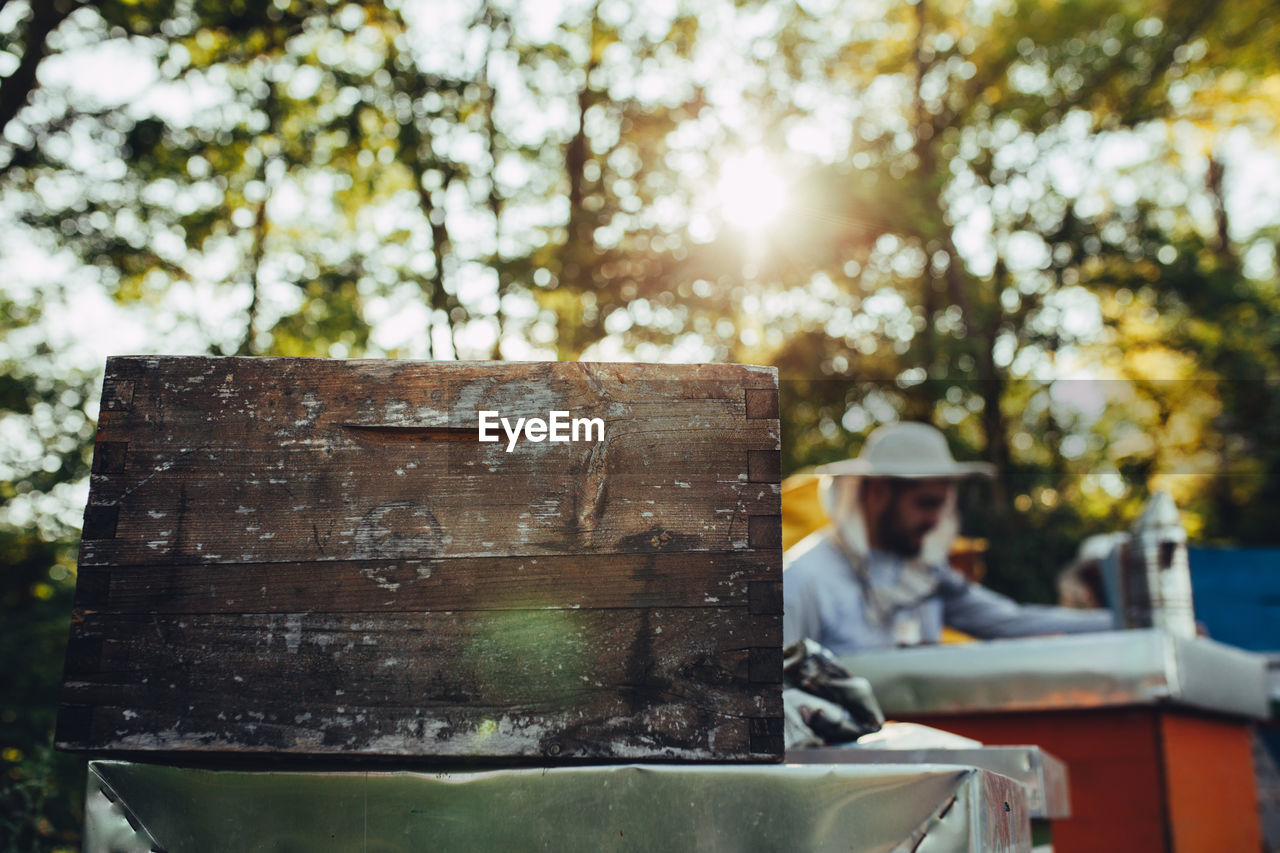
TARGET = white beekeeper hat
x,y
908,450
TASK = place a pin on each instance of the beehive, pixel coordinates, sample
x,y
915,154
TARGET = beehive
x,y
316,557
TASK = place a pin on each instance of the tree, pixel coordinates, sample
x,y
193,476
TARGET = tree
x,y
985,260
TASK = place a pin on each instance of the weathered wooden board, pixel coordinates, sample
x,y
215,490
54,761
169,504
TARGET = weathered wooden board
x,y
320,557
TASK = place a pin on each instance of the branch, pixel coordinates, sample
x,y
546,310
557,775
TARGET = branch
x,y
16,89
1195,22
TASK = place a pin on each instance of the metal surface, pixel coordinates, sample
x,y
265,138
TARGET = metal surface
x,y
1063,672
926,808
1273,682
1148,576
1044,775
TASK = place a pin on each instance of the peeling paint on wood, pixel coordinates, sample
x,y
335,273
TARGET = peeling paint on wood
x,y
315,557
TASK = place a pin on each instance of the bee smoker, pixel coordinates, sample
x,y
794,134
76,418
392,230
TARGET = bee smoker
x,y
1147,575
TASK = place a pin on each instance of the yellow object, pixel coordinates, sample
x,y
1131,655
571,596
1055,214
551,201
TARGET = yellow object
x,y
802,514
801,510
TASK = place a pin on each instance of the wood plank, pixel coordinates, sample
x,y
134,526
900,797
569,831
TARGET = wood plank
x,y
659,579
639,672
680,733
344,502
292,398
325,476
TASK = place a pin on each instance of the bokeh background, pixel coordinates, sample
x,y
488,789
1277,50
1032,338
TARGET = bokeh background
x,y
1048,227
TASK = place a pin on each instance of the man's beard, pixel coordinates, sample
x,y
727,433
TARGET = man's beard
x,y
896,540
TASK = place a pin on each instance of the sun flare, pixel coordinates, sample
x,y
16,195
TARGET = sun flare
x,y
751,193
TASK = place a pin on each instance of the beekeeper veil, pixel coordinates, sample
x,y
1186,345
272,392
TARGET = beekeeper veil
x,y
840,497
909,451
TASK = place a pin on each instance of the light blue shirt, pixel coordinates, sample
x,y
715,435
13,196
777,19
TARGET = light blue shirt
x,y
823,600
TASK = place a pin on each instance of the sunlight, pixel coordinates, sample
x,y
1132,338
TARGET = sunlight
x,y
751,193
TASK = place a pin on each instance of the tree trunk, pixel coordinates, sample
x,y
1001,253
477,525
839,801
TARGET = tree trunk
x,y
16,89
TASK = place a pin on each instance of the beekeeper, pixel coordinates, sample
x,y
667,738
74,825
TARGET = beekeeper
x,y
878,577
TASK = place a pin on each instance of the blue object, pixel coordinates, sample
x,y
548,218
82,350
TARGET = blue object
x,y
1237,595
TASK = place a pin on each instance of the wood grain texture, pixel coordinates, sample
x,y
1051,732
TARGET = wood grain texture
x,y
318,557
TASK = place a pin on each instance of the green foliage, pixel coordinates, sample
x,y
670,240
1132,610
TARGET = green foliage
x,y
41,803
988,100
46,447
